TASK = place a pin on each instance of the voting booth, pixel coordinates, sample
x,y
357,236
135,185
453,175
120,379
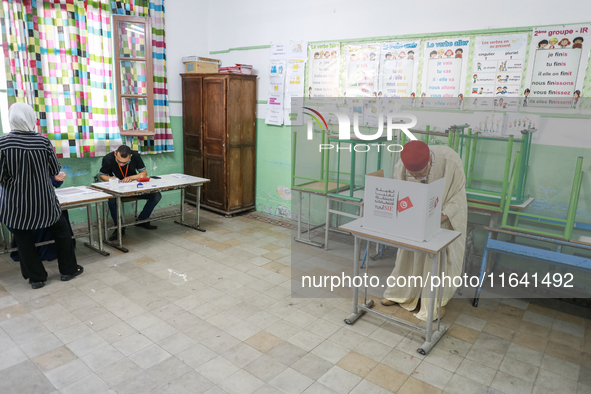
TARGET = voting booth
x,y
405,209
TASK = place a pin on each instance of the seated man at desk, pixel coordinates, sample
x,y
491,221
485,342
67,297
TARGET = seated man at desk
x,y
128,166
421,163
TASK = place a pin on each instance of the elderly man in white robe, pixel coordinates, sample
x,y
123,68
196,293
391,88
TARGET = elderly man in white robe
x,y
421,163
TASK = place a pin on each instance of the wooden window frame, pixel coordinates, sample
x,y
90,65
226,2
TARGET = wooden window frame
x,y
149,74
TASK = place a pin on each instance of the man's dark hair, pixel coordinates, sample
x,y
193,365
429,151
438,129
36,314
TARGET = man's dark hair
x,y
124,151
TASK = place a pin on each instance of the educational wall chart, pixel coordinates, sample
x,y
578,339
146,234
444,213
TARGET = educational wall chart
x,y
288,50
324,62
496,71
355,106
444,73
361,70
277,73
294,87
521,121
558,58
399,66
287,61
488,123
371,111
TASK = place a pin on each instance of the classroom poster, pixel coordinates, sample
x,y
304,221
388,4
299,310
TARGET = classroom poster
x,y
294,87
289,58
558,58
516,122
497,69
444,75
274,115
361,70
371,111
355,108
391,106
288,50
324,67
399,66
488,123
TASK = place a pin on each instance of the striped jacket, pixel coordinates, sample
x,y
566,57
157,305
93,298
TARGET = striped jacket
x,y
27,197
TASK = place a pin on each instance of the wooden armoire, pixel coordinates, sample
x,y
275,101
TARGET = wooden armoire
x,y
219,139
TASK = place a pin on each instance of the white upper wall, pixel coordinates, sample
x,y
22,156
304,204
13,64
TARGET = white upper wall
x,y
196,27
245,23
186,35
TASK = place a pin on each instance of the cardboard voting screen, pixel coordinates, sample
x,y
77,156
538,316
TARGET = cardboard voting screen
x,y
404,209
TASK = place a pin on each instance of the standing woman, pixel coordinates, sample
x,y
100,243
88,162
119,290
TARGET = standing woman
x,y
46,252
27,198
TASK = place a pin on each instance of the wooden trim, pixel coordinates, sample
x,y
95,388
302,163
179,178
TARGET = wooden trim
x,y
149,74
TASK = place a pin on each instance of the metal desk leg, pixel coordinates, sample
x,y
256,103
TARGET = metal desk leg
x,y
105,219
441,268
327,227
307,240
300,197
197,206
119,243
482,271
431,337
90,244
99,225
357,313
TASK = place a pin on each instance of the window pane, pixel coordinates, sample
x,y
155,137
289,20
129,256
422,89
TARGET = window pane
x,y
132,39
133,77
135,113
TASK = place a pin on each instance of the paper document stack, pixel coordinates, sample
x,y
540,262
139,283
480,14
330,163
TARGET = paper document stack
x,y
237,69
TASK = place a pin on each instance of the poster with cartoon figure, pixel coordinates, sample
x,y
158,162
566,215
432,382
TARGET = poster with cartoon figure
x,y
355,108
361,71
444,74
288,50
371,110
274,114
323,71
558,58
517,122
294,87
282,54
391,106
488,123
399,66
497,69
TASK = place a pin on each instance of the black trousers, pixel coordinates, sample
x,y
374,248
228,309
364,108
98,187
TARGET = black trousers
x,y
31,265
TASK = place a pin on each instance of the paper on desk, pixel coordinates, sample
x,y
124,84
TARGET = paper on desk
x,y
62,199
73,191
180,176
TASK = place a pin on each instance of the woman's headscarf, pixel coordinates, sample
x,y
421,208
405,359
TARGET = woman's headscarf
x,y
22,117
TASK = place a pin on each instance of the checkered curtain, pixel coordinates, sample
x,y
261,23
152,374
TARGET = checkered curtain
x,y
58,58
162,140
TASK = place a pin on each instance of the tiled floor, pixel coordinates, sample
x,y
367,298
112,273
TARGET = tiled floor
x,y
190,312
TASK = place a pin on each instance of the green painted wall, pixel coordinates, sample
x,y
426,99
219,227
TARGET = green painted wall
x,y
549,178
81,171
273,169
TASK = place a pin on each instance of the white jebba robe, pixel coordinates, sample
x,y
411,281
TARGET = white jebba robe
x,y
447,163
